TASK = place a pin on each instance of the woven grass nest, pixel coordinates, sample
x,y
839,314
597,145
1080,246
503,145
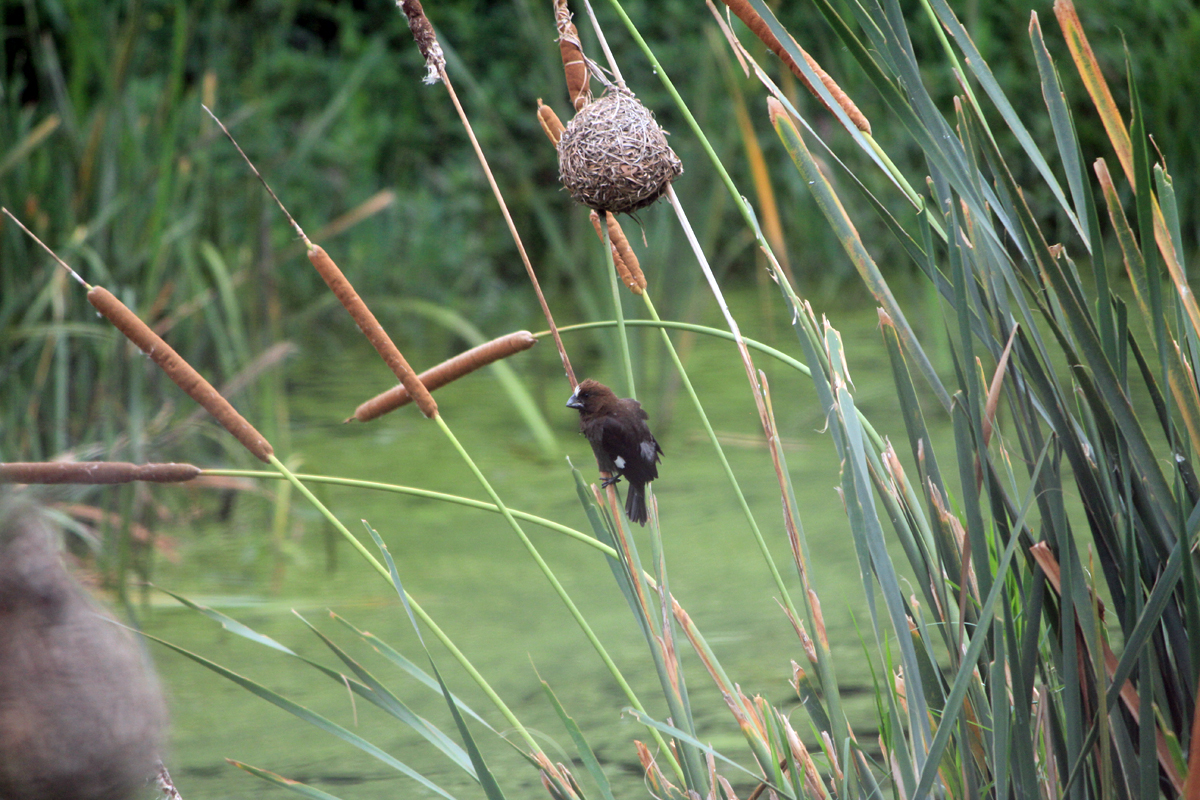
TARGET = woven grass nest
x,y
614,157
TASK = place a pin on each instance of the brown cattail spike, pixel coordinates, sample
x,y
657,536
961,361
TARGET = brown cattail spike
x,y
449,370
758,27
550,122
624,260
371,328
618,262
427,43
94,472
621,245
575,66
181,372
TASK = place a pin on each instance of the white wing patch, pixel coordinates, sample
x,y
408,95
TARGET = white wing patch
x,y
648,451
620,462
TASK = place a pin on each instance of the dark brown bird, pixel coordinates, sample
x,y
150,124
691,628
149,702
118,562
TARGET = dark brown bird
x,y
624,447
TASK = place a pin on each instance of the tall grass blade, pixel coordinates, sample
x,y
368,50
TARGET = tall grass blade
x,y
586,754
482,774
311,717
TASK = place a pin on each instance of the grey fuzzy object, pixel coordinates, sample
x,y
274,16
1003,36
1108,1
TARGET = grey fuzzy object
x,y
81,711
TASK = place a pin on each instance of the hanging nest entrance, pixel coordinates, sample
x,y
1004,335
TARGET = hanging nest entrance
x,y
614,157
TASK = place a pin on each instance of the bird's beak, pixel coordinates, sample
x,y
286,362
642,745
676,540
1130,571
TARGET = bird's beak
x,y
575,403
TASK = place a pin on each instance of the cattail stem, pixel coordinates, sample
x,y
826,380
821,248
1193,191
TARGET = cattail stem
x,y
371,328
179,371
450,370
94,472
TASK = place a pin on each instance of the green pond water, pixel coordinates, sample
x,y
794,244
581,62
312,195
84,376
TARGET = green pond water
x,y
469,571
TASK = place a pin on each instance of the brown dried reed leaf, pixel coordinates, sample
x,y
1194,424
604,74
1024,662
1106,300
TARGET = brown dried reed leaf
x,y
759,28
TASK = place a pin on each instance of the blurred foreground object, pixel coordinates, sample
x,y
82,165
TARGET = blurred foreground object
x,y
81,712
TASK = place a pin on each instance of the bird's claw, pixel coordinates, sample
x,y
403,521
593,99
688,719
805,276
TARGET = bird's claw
x,y
607,482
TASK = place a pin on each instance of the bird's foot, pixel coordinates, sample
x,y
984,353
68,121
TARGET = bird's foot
x,y
607,482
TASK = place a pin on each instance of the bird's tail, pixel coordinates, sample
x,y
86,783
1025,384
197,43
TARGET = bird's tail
x,y
635,502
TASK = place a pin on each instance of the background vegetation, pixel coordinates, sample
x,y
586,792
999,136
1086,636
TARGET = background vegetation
x,y
105,150
1001,678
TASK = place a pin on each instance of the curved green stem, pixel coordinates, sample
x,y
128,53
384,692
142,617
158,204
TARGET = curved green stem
x,y
550,524
753,344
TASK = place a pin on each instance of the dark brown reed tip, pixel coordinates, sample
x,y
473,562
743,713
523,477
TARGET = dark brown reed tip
x,y
427,43
450,370
369,325
550,122
94,472
179,371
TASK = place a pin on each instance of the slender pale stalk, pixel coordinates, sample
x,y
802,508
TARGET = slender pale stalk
x,y
725,465
512,227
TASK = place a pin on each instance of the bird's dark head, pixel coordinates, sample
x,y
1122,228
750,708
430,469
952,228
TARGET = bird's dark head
x,y
590,396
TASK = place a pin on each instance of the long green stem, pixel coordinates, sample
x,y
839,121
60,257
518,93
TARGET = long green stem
x,y
557,586
550,524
